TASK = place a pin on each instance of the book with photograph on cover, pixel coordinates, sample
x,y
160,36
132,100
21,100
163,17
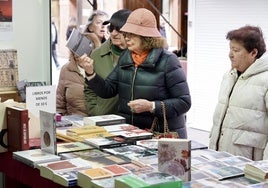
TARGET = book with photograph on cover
x,y
79,44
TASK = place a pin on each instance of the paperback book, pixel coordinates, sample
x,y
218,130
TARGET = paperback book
x,y
108,142
34,157
97,158
67,147
148,180
174,157
257,170
133,152
86,176
64,171
79,44
134,134
104,120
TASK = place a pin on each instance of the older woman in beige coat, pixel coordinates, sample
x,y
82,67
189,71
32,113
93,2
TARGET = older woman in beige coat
x,y
240,122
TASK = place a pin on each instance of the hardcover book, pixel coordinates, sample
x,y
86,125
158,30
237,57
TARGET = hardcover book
x,y
79,44
34,157
17,129
174,157
103,120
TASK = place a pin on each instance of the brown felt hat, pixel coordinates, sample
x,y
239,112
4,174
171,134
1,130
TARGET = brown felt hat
x,y
141,22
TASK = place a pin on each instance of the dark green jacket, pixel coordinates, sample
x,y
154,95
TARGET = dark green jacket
x,y
159,78
104,63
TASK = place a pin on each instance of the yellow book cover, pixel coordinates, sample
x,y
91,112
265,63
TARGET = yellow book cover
x,y
85,130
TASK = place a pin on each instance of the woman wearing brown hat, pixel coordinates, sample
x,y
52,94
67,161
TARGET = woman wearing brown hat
x,y
145,75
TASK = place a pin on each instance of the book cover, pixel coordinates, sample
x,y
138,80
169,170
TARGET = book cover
x,y
50,170
79,44
97,158
34,157
48,132
133,152
174,157
107,142
17,129
148,180
119,127
117,170
103,120
225,172
66,147
92,174
138,169
134,134
85,130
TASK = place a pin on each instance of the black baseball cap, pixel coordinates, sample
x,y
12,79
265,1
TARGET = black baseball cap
x,y
119,18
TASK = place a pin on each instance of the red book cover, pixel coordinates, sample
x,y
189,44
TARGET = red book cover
x,y
17,129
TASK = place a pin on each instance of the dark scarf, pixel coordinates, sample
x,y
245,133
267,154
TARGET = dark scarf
x,y
116,50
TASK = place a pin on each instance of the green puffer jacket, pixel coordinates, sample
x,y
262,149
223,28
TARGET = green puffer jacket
x,y
159,78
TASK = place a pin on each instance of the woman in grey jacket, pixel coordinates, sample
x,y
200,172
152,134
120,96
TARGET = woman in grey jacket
x,y
240,122
145,75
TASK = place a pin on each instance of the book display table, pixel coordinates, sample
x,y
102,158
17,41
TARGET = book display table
x,y
20,175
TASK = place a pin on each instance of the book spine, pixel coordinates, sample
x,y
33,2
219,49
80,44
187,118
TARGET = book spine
x,y
18,129
111,122
24,130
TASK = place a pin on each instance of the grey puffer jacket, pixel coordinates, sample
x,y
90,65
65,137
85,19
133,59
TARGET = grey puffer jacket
x,y
159,78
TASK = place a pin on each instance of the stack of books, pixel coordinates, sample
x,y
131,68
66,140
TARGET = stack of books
x,y
257,170
63,172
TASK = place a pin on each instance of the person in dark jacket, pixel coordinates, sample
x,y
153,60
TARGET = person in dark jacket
x,y
145,75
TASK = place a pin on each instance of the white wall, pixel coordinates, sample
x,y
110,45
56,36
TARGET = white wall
x,y
208,23
31,38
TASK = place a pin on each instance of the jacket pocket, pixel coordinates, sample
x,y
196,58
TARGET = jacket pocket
x,y
251,139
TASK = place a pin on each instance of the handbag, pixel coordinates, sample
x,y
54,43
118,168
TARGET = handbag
x,y
166,133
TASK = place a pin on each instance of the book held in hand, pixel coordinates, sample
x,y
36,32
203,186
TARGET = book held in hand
x,y
79,44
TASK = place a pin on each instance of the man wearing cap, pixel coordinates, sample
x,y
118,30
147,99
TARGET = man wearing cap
x,y
148,79
105,59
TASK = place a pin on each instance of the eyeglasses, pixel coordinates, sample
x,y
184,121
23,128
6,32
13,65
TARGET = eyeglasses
x,y
129,35
112,27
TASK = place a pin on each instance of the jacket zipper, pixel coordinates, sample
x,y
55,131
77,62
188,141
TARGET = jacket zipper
x,y
132,92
